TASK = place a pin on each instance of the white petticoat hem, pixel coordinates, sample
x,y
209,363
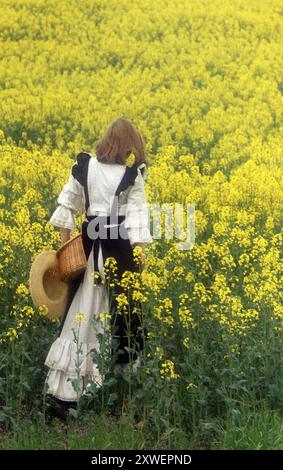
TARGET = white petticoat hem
x,y
61,361
62,356
58,385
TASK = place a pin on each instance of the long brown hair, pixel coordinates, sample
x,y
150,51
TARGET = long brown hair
x,y
120,140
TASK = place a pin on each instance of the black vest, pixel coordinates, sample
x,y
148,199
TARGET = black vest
x,y
95,232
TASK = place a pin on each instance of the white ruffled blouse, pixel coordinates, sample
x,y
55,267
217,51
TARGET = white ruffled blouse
x,y
103,180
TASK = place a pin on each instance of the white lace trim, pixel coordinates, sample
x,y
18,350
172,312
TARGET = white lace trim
x,y
63,217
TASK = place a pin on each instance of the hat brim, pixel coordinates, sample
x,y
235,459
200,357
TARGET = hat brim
x,y
46,287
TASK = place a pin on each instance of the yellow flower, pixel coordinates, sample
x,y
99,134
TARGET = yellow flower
x,y
28,311
110,269
95,274
139,296
131,159
158,352
167,370
122,302
191,386
164,311
43,310
80,317
151,281
186,342
105,316
22,290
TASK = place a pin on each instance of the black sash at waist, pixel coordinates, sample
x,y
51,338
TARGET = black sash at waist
x,y
100,231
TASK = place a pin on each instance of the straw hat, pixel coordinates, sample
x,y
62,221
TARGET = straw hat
x,y
46,287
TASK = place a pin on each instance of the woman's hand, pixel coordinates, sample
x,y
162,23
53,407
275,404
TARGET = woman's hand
x,y
65,235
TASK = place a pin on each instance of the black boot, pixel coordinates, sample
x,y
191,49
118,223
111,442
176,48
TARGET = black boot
x,y
57,408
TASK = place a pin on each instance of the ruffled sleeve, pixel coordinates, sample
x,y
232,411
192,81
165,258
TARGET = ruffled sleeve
x,y
137,212
69,201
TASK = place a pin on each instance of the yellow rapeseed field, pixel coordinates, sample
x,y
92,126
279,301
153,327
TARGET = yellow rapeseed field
x,y
202,80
